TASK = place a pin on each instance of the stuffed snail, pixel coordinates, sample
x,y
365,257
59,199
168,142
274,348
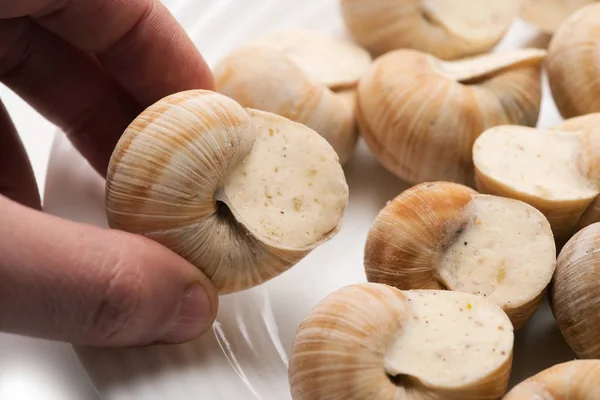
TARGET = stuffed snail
x,y
307,77
240,193
555,170
372,341
573,63
448,29
420,115
444,235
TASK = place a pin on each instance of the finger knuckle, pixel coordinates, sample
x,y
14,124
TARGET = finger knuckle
x,y
122,297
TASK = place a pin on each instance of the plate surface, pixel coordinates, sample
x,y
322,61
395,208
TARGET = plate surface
x,y
245,356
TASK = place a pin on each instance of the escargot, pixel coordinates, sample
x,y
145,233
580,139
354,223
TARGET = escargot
x,y
304,76
447,29
240,193
443,235
420,115
372,341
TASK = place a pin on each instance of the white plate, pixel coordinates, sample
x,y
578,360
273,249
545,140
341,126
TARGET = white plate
x,y
245,356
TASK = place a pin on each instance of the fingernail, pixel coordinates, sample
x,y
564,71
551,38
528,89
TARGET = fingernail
x,y
195,316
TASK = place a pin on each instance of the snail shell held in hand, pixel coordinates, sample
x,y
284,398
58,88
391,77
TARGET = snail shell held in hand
x,y
241,194
306,77
448,29
573,63
420,115
447,236
556,171
372,341
572,380
548,15
575,292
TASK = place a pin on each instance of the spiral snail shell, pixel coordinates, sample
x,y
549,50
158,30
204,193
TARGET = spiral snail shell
x,y
420,115
240,193
373,341
443,235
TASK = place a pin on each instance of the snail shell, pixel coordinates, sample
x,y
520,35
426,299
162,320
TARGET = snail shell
x,y
303,76
447,236
557,171
372,341
448,29
573,63
548,15
420,115
575,294
241,194
572,380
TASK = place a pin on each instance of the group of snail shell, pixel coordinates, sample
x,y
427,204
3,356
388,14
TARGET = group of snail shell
x,y
246,180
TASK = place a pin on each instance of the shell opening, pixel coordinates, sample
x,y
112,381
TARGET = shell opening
x,y
555,175
445,330
549,168
505,253
290,190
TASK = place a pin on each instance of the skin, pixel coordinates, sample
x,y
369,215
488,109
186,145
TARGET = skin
x,y
90,66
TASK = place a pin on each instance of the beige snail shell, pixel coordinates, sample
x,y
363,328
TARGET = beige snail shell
x,y
571,380
548,15
306,77
443,235
372,341
241,194
575,293
573,63
447,29
555,170
420,115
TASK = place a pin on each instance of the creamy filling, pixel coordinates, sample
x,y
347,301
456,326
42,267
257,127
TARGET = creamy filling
x,y
486,65
291,188
452,339
506,252
538,163
325,59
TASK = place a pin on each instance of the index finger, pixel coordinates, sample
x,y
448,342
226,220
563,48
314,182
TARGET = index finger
x,y
138,42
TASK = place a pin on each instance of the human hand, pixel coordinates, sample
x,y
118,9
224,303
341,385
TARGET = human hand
x,y
90,66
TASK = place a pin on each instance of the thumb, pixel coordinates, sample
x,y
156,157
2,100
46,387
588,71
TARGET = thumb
x,y
66,281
